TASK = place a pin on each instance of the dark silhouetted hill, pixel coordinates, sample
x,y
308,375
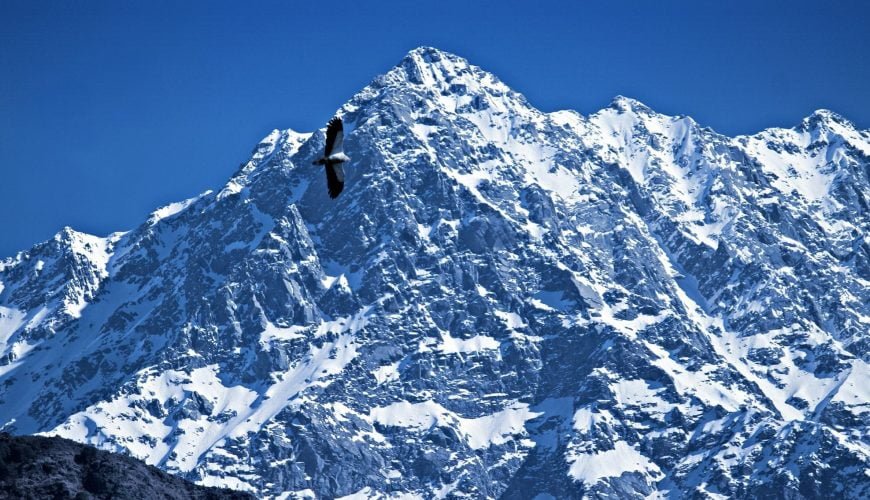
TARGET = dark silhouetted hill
x,y
51,467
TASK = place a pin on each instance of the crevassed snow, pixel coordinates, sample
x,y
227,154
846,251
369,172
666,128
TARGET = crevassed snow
x,y
480,432
454,345
591,466
271,332
414,416
495,429
639,393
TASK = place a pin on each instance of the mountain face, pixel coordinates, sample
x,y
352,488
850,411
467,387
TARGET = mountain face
x,y
502,303
35,467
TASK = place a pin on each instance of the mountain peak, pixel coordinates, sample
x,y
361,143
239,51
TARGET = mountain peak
x,y
444,80
622,103
431,55
432,67
96,249
72,237
428,52
824,118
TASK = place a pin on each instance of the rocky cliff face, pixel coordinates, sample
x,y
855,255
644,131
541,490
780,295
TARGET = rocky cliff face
x,y
502,303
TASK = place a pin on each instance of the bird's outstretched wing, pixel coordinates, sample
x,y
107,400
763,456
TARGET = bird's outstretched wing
x,y
334,179
334,137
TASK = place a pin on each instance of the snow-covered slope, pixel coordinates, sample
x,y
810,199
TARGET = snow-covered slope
x,y
502,303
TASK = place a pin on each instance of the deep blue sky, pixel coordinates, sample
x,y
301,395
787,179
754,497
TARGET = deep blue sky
x,y
109,109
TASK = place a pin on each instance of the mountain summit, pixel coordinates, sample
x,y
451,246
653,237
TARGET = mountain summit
x,y
502,303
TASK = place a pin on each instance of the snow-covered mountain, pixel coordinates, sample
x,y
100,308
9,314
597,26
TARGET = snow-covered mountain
x,y
502,303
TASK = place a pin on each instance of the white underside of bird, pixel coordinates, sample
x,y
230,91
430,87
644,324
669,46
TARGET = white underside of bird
x,y
333,157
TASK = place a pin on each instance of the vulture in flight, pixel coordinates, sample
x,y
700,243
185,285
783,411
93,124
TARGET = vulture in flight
x,y
333,157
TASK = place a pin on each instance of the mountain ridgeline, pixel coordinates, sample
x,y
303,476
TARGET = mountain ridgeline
x,y
503,303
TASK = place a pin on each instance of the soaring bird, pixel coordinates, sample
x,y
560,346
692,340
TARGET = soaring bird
x,y
333,157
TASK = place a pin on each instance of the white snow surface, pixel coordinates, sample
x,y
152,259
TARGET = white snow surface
x,y
623,458
480,432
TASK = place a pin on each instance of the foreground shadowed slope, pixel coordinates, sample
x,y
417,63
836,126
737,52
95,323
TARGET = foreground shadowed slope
x,y
502,303
51,467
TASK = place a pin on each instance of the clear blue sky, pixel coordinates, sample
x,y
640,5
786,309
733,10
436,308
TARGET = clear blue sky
x,y
109,109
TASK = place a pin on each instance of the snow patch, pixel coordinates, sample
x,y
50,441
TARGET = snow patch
x,y
172,209
590,467
480,433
